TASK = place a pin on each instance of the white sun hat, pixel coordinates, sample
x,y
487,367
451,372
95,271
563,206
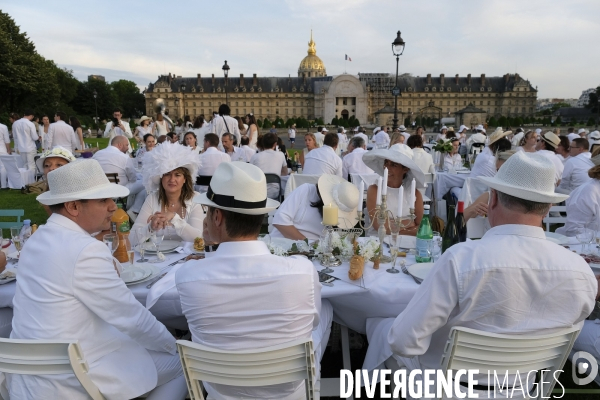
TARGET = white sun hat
x,y
165,158
335,190
462,128
238,187
402,128
57,151
376,130
551,139
324,130
443,127
81,180
498,134
582,130
398,153
528,177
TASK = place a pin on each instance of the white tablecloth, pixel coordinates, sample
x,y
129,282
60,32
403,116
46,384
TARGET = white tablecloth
x,y
444,182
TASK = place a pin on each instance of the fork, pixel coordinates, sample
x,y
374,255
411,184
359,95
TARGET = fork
x,y
405,270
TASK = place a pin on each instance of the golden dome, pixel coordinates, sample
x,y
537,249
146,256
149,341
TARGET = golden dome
x,y
311,65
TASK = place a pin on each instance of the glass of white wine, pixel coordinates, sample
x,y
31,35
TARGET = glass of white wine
x,y
15,234
130,252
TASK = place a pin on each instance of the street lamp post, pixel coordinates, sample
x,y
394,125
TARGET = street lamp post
x,y
397,50
226,73
182,89
96,104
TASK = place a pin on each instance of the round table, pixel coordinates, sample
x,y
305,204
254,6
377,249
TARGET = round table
x,y
445,181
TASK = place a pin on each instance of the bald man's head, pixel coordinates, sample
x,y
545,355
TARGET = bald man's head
x,y
121,143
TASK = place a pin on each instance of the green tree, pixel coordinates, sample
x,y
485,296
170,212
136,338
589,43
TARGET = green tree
x,y
290,122
266,123
334,121
319,121
129,99
591,121
259,123
558,121
518,121
503,121
106,99
407,121
493,121
593,103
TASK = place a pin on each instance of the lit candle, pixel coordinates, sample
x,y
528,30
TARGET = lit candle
x,y
413,189
385,182
379,182
361,194
400,200
330,215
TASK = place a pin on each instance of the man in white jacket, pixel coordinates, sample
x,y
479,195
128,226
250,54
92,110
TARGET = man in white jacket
x,y
68,288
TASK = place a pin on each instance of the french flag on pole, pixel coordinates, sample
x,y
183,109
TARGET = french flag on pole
x,y
348,58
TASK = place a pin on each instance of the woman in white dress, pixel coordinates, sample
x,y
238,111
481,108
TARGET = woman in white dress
x,y
149,143
44,127
241,126
160,126
252,131
398,159
142,130
311,143
453,160
528,142
200,128
74,122
423,159
191,141
169,174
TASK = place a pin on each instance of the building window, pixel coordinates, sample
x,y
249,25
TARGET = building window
x,y
294,111
287,111
251,104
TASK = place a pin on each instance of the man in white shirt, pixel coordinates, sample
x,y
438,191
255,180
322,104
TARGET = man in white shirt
x,y
320,135
210,158
116,127
516,140
235,153
264,300
381,138
361,133
271,161
343,141
478,137
402,130
25,135
324,160
248,151
223,123
546,146
68,289
114,160
61,134
495,284
572,135
577,166
292,135
352,162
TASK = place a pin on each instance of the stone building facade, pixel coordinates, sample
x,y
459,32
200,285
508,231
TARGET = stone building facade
x,y
367,96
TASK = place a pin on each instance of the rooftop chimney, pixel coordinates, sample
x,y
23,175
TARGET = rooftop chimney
x,y
456,79
254,80
517,77
213,79
482,79
506,78
442,79
241,80
199,80
429,79
469,79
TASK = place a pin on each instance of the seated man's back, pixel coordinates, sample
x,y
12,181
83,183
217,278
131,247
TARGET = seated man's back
x,y
324,160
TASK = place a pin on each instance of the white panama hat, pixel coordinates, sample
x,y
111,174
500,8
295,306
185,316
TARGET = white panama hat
x,y
57,151
166,158
443,127
81,180
398,153
324,130
238,187
335,190
528,177
402,128
498,134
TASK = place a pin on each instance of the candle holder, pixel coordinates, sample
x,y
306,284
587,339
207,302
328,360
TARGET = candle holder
x,y
382,214
328,260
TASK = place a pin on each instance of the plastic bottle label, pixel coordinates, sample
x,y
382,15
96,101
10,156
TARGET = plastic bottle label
x,y
124,227
422,251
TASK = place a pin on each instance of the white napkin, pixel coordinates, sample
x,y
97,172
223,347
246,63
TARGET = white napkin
x,y
165,284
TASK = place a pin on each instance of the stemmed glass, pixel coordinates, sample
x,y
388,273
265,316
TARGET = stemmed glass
x,y
130,252
142,235
395,229
436,246
585,237
111,241
15,234
156,237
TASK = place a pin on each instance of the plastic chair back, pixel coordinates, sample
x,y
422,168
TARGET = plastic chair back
x,y
11,213
113,177
46,357
555,220
296,180
274,365
274,178
473,349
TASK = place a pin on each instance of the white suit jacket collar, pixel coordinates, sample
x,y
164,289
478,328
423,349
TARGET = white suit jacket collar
x,y
66,223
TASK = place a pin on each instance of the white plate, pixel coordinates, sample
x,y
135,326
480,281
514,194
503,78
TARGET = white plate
x,y
154,272
420,270
404,241
167,246
135,274
5,243
557,238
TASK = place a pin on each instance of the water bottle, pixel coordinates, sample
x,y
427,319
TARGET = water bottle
x,y
424,238
25,230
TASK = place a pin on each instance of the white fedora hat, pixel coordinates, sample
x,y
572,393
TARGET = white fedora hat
x,y
58,152
166,158
528,177
551,139
81,180
398,153
337,191
402,128
238,187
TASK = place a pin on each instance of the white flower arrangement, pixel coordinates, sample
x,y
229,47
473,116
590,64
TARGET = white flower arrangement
x,y
59,151
341,246
369,248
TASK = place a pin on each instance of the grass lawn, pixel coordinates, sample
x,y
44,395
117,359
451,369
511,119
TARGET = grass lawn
x,y
11,199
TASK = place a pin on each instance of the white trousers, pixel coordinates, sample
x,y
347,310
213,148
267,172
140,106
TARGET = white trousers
x,y
6,316
28,159
137,196
171,383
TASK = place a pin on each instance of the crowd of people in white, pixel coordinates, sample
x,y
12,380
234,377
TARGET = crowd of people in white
x,y
209,179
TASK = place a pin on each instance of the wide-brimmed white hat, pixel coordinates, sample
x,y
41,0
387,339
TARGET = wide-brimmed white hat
x,y
529,177
451,129
165,158
498,134
337,191
238,187
376,130
398,153
324,130
551,139
582,130
81,180
59,152
462,128
144,118
402,128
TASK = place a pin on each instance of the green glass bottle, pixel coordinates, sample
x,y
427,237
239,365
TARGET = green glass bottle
x,y
424,238
450,237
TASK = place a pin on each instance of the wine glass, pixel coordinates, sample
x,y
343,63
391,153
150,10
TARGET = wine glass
x,y
156,237
395,229
585,237
111,241
130,252
142,235
436,245
15,234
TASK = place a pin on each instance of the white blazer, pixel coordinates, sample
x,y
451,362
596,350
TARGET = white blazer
x,y
68,289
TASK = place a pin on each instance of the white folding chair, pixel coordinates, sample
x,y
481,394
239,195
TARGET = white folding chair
x,y
296,180
473,349
17,177
429,177
555,220
46,357
273,365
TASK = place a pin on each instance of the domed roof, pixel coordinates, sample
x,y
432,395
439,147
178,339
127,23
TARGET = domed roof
x,y
311,65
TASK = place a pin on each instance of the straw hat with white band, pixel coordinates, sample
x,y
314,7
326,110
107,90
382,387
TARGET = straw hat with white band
x,y
551,139
337,191
398,153
528,177
238,187
144,118
81,180
497,135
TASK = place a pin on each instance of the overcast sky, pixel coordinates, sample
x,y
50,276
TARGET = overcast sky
x,y
552,43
